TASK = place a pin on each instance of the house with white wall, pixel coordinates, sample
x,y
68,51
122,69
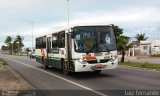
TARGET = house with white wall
x,y
149,47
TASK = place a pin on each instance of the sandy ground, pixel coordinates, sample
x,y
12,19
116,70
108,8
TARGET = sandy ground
x,y
11,80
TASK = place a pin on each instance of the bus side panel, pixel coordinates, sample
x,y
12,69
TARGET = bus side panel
x,y
54,62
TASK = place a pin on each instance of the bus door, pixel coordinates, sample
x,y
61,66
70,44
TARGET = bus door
x,y
69,51
48,50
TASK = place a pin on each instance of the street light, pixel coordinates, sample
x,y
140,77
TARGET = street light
x,y
32,34
68,13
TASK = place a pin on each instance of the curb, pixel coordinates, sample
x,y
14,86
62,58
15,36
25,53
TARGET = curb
x,y
144,69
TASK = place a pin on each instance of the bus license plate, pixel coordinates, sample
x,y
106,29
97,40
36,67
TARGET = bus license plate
x,y
98,66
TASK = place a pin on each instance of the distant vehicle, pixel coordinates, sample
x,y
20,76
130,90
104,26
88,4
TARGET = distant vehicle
x,y
32,54
78,49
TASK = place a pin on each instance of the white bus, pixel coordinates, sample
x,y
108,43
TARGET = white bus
x,y
78,49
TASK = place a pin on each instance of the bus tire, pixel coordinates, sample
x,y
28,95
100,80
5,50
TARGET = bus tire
x,y
97,71
64,67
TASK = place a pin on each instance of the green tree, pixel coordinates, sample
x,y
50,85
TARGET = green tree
x,y
141,37
122,41
123,45
8,42
4,48
117,30
18,43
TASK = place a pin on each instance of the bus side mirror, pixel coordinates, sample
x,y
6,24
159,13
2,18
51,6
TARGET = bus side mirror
x,y
72,35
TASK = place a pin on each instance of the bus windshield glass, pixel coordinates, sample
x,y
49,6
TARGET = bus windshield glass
x,y
93,39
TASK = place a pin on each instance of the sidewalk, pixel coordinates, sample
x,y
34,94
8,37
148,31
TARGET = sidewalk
x,y
152,60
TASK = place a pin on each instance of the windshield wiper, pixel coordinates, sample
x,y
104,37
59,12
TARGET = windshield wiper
x,y
106,48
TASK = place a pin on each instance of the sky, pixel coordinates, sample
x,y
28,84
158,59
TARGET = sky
x,y
134,16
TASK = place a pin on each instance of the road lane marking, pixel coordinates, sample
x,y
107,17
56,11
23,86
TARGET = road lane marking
x,y
72,82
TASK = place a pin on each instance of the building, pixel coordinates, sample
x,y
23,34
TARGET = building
x,y
150,47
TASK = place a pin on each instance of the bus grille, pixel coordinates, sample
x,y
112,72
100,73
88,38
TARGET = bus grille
x,y
95,61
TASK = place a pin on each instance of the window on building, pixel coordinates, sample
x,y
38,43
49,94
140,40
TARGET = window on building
x,y
145,47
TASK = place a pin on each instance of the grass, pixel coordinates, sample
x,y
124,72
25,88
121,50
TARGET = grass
x,y
2,62
156,55
142,65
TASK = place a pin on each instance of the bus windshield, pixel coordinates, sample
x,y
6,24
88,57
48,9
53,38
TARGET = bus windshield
x,y
93,39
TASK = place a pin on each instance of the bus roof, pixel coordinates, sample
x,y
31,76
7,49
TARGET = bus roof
x,y
63,28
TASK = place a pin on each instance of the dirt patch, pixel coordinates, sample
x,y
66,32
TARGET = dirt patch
x,y
11,80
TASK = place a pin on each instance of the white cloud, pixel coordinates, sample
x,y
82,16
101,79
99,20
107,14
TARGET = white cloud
x,y
130,16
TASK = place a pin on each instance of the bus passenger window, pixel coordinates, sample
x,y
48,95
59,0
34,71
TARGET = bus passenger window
x,y
54,41
61,39
44,42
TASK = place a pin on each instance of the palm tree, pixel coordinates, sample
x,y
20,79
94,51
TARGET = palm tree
x,y
141,37
122,41
122,45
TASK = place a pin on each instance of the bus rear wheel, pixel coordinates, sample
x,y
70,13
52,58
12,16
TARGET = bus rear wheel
x,y
64,67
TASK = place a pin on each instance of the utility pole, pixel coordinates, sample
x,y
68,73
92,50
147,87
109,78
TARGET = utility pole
x,y
32,34
158,37
158,30
68,13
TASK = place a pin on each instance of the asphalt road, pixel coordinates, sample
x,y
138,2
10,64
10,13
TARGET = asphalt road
x,y
52,81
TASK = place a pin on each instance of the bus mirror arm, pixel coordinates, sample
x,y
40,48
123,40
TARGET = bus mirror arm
x,y
72,35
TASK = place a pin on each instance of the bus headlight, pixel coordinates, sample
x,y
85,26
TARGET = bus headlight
x,y
113,58
82,61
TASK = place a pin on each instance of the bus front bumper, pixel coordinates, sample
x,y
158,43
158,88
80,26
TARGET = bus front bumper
x,y
97,66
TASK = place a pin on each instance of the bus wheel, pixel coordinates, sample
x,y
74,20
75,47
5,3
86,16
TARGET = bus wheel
x,y
97,71
64,68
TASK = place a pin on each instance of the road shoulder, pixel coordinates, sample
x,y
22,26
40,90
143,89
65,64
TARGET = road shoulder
x,y
138,68
11,80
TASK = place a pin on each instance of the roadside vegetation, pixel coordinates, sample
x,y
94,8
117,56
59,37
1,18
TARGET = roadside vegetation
x,y
141,65
2,62
122,41
156,55
13,45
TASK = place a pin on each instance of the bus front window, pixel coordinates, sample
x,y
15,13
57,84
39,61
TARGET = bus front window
x,y
83,41
94,39
106,40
